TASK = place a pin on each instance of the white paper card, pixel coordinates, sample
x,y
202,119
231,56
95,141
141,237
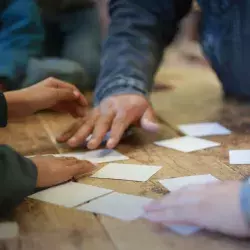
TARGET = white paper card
x,y
204,129
187,144
177,183
121,206
129,172
184,230
70,194
239,157
96,156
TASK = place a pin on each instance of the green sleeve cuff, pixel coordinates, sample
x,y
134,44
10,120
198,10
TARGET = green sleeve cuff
x,y
18,177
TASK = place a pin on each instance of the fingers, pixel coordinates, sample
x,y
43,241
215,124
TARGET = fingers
x,y
102,126
67,134
81,168
149,121
119,126
63,95
58,84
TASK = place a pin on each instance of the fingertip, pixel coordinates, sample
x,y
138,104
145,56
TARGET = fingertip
x,y
92,144
111,143
72,142
76,93
149,125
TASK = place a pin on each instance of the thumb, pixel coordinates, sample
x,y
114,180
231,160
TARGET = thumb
x,y
66,95
149,121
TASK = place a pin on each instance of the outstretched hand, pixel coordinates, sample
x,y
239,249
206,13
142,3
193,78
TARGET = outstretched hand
x,y
114,114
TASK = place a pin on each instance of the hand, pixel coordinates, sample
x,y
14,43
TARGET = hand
x,y
52,170
48,94
214,206
114,114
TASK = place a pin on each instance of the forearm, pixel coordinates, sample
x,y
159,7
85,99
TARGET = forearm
x,y
138,34
17,179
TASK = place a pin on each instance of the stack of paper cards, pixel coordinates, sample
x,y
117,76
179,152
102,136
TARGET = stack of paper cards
x,y
187,144
177,183
129,172
121,206
95,156
239,157
70,194
204,129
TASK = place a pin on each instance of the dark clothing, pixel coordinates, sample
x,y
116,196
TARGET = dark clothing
x,y
17,174
72,46
21,37
140,30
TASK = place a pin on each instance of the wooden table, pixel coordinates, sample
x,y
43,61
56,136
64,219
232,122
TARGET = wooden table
x,y
195,96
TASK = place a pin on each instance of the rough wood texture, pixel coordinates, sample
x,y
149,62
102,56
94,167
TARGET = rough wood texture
x,y
196,96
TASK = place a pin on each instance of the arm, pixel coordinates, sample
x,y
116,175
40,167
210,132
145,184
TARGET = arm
x,y
21,37
138,33
18,176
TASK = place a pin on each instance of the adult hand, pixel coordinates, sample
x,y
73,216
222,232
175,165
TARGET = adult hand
x,y
52,170
214,206
114,114
48,94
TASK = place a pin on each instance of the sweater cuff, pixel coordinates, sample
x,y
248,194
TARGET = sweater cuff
x,y
245,199
3,111
120,86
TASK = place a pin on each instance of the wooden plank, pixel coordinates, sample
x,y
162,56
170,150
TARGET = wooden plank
x,y
27,136
143,235
49,225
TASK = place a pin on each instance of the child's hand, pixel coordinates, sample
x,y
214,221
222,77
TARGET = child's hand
x,y
48,94
52,170
214,206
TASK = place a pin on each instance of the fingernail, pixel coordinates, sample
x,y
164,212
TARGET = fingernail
x,y
111,143
76,93
152,126
91,144
72,142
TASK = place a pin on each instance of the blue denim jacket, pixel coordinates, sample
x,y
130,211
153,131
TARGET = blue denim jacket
x,y
141,29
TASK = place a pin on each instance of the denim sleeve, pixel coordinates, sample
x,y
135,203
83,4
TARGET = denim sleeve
x,y
245,199
21,37
138,33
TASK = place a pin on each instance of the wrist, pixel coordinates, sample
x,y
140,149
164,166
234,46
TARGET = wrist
x,y
17,103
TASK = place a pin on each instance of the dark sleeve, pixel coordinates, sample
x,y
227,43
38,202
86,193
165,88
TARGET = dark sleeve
x,y
18,177
138,33
3,111
21,37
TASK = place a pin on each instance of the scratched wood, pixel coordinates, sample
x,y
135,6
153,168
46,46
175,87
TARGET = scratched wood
x,y
27,136
193,98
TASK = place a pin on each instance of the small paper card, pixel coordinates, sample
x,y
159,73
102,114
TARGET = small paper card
x,y
187,144
239,157
177,183
121,206
70,194
129,172
204,129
